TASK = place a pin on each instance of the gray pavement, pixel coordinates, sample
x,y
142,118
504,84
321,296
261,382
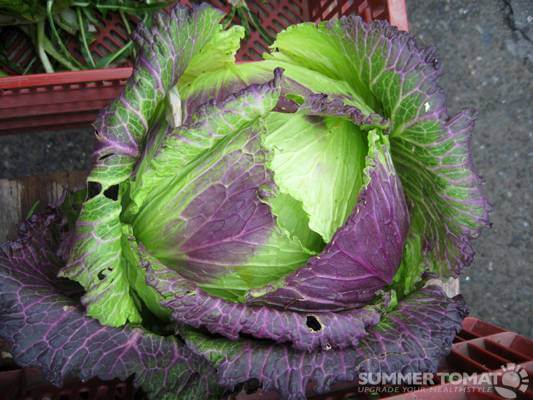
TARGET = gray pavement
x,y
486,47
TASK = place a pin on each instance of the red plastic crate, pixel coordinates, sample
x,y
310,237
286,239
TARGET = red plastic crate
x,y
479,347
66,99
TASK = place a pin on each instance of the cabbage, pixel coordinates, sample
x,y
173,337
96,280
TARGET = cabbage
x,y
275,221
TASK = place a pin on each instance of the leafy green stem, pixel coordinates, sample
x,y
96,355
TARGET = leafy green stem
x,y
254,21
28,67
40,48
83,37
125,21
57,36
227,20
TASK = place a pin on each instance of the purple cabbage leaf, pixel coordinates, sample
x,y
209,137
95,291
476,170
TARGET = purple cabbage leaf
x,y
412,338
97,261
47,327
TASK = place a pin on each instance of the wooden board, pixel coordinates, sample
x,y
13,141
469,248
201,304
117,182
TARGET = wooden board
x,y
17,197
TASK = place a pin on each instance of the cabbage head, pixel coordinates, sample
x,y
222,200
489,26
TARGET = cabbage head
x,y
283,223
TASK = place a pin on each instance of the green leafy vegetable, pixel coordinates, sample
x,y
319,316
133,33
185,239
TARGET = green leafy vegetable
x,y
53,24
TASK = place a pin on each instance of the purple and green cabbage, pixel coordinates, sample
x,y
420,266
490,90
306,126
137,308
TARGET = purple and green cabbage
x,y
275,222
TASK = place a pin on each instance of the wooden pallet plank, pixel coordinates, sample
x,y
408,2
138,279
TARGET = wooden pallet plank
x,y
17,196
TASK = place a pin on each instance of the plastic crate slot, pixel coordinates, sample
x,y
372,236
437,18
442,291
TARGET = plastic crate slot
x,y
100,50
84,394
459,338
114,33
523,346
111,43
338,9
466,335
277,26
9,38
261,46
505,352
260,9
328,8
297,9
367,14
347,8
283,20
26,58
462,363
515,342
330,14
117,24
378,12
19,52
486,358
224,6
18,47
480,328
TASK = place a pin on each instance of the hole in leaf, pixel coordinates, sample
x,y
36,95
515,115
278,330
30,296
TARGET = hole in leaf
x,y
101,275
313,323
102,158
120,392
139,395
93,189
296,98
251,386
286,105
112,192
